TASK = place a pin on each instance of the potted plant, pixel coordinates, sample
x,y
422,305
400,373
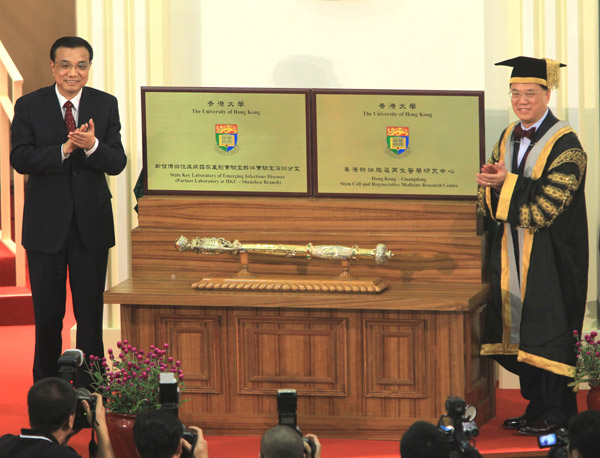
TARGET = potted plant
x,y
129,383
587,368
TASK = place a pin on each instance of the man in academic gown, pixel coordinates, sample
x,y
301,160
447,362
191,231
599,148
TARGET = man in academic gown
x,y
532,191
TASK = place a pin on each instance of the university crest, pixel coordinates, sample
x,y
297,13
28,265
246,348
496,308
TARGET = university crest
x,y
397,139
227,136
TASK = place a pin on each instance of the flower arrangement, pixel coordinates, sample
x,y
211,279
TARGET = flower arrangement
x,y
129,383
587,369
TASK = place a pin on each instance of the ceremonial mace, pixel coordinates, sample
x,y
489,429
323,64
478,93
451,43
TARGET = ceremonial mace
x,y
244,280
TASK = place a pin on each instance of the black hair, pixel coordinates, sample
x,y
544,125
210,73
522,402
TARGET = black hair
x,y
70,42
584,431
281,442
51,401
157,433
424,440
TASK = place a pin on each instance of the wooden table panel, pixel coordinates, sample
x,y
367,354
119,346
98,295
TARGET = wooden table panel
x,y
364,365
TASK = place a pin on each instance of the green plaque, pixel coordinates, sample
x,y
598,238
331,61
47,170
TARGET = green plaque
x,y
225,141
397,143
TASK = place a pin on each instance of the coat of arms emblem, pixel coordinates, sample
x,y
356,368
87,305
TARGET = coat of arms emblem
x,y
226,136
397,139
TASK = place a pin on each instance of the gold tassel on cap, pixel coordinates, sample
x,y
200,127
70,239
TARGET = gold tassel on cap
x,y
552,74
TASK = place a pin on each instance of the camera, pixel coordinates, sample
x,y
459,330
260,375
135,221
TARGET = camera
x,y
459,428
287,408
557,442
169,401
68,363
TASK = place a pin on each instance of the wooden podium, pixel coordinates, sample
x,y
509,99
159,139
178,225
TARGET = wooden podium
x,y
364,365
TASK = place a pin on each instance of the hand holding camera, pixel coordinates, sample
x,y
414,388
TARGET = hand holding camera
x,y
198,447
93,408
312,446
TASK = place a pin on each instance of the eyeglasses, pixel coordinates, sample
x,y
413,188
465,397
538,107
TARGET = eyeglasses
x,y
529,95
65,65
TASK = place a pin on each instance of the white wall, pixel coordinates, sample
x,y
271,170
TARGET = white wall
x,y
394,44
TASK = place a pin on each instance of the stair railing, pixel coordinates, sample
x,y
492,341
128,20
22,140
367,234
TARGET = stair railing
x,y
11,203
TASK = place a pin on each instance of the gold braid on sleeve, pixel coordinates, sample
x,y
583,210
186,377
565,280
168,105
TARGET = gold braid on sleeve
x,y
557,194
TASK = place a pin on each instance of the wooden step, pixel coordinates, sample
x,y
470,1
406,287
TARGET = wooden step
x,y
16,306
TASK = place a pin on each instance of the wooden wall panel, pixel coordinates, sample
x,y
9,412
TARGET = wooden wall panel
x,y
195,340
426,257
387,368
308,354
395,363
272,214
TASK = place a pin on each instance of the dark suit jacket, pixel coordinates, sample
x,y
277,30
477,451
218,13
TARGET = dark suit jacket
x,y
76,188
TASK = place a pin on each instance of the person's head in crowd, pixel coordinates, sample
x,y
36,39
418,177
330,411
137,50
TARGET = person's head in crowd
x,y
157,434
424,440
281,442
584,435
51,403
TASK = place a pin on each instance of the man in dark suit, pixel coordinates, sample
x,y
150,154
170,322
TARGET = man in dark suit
x,y
67,219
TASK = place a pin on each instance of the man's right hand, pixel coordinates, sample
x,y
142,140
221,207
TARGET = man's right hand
x,y
104,446
201,450
315,440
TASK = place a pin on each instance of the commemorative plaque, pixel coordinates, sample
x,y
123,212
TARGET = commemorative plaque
x,y
397,143
226,141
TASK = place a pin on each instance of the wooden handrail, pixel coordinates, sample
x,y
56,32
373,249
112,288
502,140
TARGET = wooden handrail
x,y
11,88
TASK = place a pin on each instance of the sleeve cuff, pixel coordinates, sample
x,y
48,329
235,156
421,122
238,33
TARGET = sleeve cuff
x,y
90,151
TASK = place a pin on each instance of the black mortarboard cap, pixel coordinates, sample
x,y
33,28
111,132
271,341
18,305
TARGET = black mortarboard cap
x,y
532,70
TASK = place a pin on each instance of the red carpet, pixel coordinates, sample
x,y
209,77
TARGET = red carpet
x,y
16,343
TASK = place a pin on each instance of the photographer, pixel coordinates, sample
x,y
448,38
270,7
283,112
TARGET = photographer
x,y
584,435
285,442
159,434
52,403
424,440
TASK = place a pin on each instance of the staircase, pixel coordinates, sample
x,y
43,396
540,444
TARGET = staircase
x,y
16,307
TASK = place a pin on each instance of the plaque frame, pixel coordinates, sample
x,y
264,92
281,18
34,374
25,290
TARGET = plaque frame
x,y
220,90
478,95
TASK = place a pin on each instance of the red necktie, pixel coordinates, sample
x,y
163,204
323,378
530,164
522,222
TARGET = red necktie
x,y
519,133
69,119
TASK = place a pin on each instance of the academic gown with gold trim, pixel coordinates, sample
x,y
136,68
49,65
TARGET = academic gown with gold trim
x,y
539,290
